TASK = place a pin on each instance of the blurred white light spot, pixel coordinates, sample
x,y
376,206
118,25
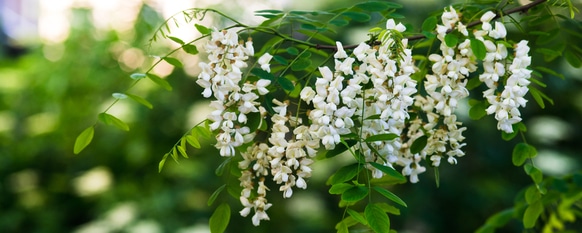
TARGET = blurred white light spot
x,y
92,182
548,129
554,163
131,59
41,123
145,226
22,181
121,215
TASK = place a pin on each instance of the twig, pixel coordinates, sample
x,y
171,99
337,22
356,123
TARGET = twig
x,y
522,9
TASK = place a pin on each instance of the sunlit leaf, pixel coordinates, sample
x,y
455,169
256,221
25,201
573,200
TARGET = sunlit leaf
x,y
191,49
173,61
357,216
140,100
532,213
220,218
162,162
340,148
202,29
175,39
84,139
391,196
340,188
345,173
377,219
161,82
111,120
355,194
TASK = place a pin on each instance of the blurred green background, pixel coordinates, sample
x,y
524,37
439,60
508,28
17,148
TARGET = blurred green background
x,y
57,74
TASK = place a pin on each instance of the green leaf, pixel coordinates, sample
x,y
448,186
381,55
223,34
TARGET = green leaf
x,y
286,84
202,29
573,58
300,64
532,213
340,188
521,152
193,141
382,137
220,169
137,76
357,16
429,24
418,144
391,196
532,194
173,61
478,48
177,40
345,173
535,173
220,218
84,139
119,96
478,111
191,49
388,208
111,120
355,194
215,194
262,74
388,171
339,22
451,40
280,60
140,100
182,151
162,162
377,218
174,154
292,51
161,82
357,216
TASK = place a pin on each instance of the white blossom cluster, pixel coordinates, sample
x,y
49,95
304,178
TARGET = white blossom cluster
x,y
445,88
366,93
504,105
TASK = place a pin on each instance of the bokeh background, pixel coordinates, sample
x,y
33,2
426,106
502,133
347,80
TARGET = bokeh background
x,y
61,60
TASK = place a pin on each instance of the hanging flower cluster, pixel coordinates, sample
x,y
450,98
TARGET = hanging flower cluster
x,y
366,93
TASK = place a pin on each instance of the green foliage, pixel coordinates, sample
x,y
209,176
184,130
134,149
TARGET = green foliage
x,y
220,218
84,139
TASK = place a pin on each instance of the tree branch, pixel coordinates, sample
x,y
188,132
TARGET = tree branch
x,y
522,9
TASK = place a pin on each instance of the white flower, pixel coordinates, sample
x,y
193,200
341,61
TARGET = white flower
x,y
262,86
264,62
391,25
488,16
341,53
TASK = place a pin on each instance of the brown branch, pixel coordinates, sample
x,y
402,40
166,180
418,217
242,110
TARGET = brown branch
x,y
522,9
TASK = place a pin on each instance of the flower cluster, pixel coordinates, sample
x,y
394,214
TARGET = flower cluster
x,y
368,93
504,105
